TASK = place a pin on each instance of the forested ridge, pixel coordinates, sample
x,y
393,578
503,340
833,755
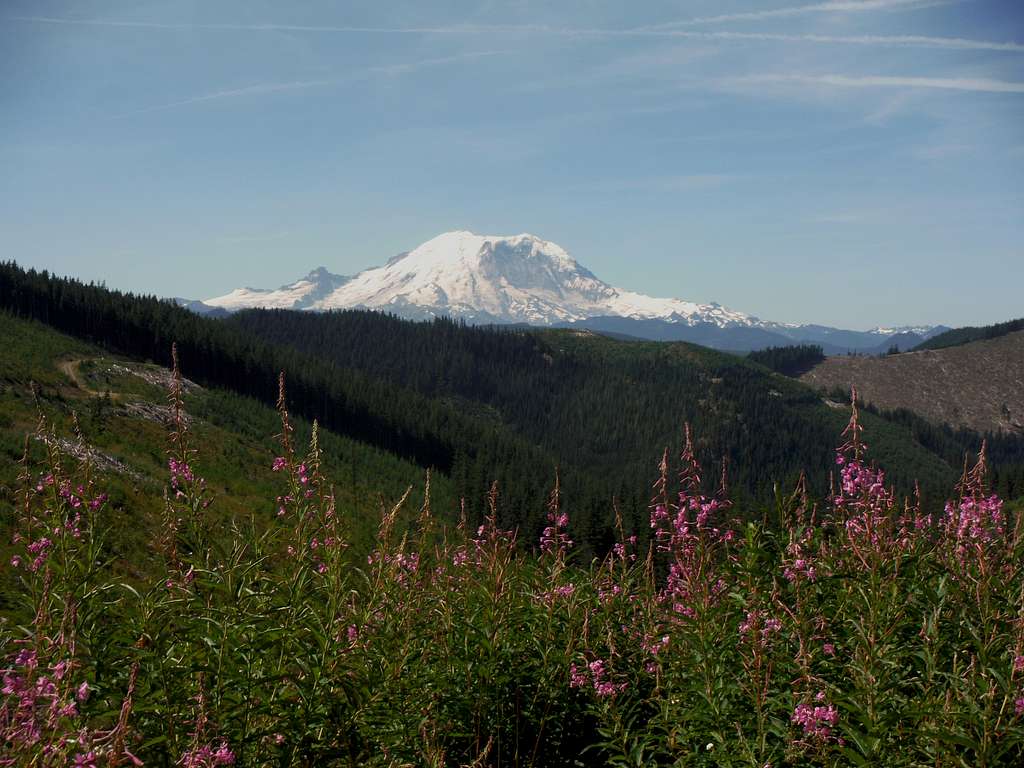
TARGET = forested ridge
x,y
605,404
482,404
958,336
789,360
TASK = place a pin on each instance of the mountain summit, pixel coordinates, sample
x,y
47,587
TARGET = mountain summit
x,y
483,278
526,279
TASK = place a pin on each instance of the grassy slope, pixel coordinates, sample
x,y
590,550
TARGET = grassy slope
x,y
234,436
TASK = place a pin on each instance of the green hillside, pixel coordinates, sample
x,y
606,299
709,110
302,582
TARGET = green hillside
x,y
121,406
484,405
608,405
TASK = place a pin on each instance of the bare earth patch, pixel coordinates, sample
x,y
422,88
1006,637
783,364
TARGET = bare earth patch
x,y
978,385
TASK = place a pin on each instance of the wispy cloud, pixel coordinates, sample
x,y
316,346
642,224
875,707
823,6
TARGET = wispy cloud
x,y
839,217
675,183
298,85
893,105
978,84
253,238
273,27
832,6
414,66
669,30
249,90
894,41
942,151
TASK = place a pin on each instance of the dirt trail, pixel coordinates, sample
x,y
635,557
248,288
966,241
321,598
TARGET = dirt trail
x,y
70,369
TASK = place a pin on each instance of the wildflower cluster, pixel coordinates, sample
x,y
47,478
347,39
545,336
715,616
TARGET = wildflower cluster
x,y
816,720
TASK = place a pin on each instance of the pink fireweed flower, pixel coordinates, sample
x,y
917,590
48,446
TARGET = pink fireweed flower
x,y
596,676
554,540
208,756
578,678
972,524
817,721
59,670
558,593
798,565
180,472
402,565
606,594
621,549
800,570
658,515
758,628
279,463
654,646
489,536
40,548
603,687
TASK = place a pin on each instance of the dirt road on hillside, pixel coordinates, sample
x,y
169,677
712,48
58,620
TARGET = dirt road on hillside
x,y
70,369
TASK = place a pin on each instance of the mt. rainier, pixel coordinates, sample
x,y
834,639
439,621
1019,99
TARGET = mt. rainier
x,y
516,279
525,279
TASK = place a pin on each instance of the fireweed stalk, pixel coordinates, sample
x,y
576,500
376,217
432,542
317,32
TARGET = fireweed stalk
x,y
695,537
184,615
47,682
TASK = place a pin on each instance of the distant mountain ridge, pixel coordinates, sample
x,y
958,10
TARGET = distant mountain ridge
x,y
526,279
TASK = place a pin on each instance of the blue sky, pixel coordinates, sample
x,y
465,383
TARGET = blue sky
x,y
847,162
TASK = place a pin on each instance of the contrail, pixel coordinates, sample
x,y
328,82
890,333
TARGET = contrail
x,y
670,30
978,84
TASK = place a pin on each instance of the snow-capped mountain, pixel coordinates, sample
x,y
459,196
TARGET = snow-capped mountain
x,y
521,279
307,293
918,330
516,279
